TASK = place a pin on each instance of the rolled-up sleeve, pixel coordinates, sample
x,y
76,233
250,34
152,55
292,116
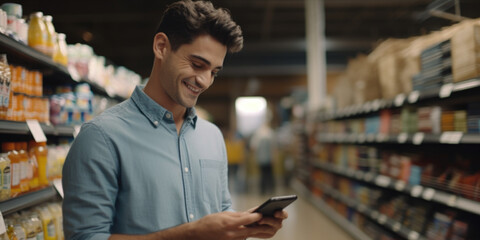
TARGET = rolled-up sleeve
x,y
90,185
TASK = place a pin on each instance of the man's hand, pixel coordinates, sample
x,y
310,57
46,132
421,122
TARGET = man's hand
x,y
233,225
267,227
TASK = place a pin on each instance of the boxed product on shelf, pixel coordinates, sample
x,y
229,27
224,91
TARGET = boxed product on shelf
x,y
386,56
436,67
429,119
473,118
466,52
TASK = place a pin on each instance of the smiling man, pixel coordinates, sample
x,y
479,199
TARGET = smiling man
x,y
149,168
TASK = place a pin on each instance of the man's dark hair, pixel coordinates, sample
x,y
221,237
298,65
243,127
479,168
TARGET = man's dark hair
x,y
183,21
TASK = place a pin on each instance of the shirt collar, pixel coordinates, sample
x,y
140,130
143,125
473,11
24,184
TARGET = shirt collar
x,y
154,112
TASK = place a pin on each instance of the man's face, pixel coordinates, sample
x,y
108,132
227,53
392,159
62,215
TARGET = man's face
x,y
190,70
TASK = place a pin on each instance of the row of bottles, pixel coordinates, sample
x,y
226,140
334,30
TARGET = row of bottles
x,y
39,33
41,222
25,169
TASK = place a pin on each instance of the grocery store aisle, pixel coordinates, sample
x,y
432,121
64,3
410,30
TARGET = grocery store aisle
x,y
305,222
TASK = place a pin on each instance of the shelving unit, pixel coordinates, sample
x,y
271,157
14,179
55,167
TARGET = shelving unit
x,y
28,200
57,74
335,217
54,74
416,191
456,93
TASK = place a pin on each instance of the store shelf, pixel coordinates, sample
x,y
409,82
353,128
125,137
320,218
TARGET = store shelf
x,y
402,138
327,210
21,128
416,191
20,53
446,91
372,214
27,200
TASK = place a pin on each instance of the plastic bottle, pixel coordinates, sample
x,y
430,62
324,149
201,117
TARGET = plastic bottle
x,y
60,54
41,153
51,35
33,162
56,212
5,82
5,177
14,158
37,223
9,225
25,166
37,32
47,222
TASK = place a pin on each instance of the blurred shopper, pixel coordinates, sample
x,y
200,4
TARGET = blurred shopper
x,y
263,145
236,158
149,168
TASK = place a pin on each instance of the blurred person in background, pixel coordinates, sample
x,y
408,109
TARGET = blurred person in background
x,y
263,146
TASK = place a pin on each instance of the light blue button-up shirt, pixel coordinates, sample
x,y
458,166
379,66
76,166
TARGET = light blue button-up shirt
x,y
129,172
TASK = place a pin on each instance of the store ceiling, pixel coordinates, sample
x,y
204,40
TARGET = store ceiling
x,y
274,30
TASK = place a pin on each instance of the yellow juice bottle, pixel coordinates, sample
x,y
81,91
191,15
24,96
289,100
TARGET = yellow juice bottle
x,y
41,153
56,212
32,159
24,166
14,158
37,32
47,223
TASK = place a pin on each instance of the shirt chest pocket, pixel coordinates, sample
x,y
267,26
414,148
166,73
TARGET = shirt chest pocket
x,y
212,183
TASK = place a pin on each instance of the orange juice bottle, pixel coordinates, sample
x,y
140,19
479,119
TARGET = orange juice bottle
x,y
37,150
51,36
24,165
37,32
61,55
14,158
41,153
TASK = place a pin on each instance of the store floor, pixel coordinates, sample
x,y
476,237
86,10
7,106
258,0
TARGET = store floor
x,y
305,222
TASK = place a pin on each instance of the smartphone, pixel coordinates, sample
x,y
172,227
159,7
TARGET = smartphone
x,y
269,207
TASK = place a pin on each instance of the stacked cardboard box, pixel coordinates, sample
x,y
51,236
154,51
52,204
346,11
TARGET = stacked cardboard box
x,y
466,52
429,119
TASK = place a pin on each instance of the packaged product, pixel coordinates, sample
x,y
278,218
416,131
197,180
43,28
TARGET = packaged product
x,y
24,166
48,222
13,156
4,177
37,32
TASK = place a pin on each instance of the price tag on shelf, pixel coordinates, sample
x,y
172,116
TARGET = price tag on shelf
x,y
3,229
381,137
361,208
396,227
370,137
369,177
57,183
413,235
452,200
413,96
376,104
374,215
428,194
418,138
76,130
451,137
399,99
382,181
446,90
400,185
416,191
455,137
382,219
36,130
402,138
359,175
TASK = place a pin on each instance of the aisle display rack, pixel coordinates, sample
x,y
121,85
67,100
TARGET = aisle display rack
x,y
55,74
460,91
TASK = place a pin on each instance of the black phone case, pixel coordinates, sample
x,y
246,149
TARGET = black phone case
x,y
274,204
